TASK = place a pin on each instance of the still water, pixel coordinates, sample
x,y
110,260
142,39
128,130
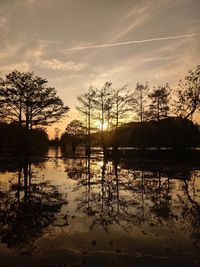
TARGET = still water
x,y
60,211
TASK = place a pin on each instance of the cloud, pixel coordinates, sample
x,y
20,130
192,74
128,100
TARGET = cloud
x,y
4,27
31,3
158,65
135,16
45,48
55,64
137,41
22,66
10,51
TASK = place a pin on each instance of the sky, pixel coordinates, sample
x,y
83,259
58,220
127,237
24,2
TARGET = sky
x,y
75,43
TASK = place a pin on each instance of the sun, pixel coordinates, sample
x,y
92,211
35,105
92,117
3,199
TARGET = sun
x,y
99,125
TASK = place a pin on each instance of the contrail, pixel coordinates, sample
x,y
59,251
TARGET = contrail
x,y
136,41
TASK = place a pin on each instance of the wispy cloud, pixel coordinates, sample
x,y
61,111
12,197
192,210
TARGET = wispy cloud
x,y
137,41
55,64
40,53
4,27
22,66
31,3
134,17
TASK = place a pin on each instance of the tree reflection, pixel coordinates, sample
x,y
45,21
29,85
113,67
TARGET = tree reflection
x,y
101,199
191,209
28,208
117,193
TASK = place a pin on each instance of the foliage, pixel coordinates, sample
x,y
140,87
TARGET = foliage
x,y
103,105
16,141
121,99
75,134
75,128
139,102
188,94
85,107
25,98
159,106
176,133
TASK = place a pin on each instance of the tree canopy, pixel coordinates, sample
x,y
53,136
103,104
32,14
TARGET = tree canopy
x,y
188,94
26,98
159,106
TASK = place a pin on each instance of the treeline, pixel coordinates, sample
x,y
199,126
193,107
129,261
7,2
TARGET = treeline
x,y
176,133
156,117
110,117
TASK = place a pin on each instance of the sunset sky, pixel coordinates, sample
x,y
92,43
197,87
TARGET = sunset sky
x,y
75,43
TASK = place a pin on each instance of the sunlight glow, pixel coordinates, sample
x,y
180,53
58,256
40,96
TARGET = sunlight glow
x,y
99,125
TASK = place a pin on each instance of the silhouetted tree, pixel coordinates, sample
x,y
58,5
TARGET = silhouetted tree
x,y
85,108
176,133
27,99
139,101
188,94
103,106
15,140
159,106
2,112
75,128
120,100
74,135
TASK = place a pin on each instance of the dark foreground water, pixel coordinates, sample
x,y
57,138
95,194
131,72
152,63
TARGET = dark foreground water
x,y
60,212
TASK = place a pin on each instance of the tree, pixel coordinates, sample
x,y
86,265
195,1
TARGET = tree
x,y
120,105
75,128
15,140
103,104
159,106
139,101
85,108
27,99
120,100
74,135
188,94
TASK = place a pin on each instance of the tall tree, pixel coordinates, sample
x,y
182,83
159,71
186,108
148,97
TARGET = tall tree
x,y
159,106
27,99
85,107
139,101
103,105
188,94
120,99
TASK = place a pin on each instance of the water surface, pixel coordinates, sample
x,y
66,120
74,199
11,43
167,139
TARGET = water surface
x,y
60,211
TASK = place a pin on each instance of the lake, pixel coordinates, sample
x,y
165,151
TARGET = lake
x,y
57,211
